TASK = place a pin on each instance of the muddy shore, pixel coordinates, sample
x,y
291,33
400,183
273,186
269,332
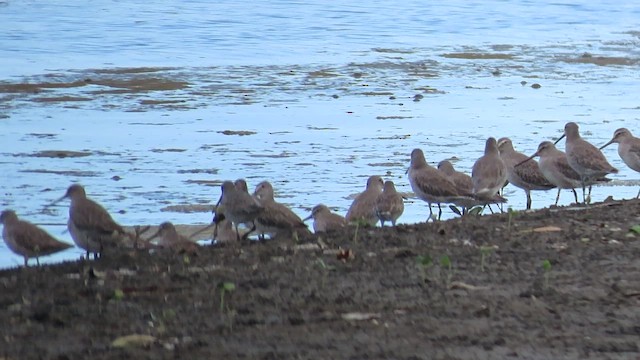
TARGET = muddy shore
x,y
553,283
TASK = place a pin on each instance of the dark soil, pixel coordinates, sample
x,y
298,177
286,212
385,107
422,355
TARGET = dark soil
x,y
299,301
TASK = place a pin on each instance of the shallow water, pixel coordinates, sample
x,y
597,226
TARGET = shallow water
x,y
154,96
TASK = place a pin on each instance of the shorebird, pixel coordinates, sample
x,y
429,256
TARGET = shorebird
x,y
433,186
461,180
324,220
527,175
239,207
28,240
225,233
170,239
390,204
555,168
241,184
363,207
584,158
91,226
277,219
628,148
489,173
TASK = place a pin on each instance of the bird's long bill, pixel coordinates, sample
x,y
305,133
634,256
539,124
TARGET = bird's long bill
x,y
308,217
607,144
215,231
560,138
525,160
57,200
154,235
203,230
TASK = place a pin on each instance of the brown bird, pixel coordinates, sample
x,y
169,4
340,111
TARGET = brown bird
x,y
239,207
363,207
225,233
390,204
170,239
241,184
555,168
28,240
433,186
489,173
628,148
461,180
586,159
277,220
527,175
91,226
324,220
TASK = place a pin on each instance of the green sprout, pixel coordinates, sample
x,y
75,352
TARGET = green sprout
x,y
225,287
445,263
118,294
511,214
424,263
476,210
635,229
325,270
484,252
546,266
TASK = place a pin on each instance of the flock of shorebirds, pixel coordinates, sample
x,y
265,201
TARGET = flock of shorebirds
x,y
93,229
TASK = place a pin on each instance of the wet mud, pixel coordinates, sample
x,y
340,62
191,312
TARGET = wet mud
x,y
553,283
170,88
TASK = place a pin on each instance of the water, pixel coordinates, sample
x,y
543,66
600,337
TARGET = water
x,y
327,90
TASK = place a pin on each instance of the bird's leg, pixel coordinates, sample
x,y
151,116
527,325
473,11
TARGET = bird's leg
x,y
253,228
237,233
557,197
430,213
575,195
528,200
439,211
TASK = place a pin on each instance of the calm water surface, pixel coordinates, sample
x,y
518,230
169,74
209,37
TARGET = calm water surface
x,y
331,94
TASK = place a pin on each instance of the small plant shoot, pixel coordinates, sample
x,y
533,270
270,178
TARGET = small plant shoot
x,y
424,262
546,266
445,263
225,287
484,252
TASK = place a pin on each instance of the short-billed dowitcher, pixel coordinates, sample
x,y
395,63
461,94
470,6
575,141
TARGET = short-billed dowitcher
x,y
390,204
527,176
91,226
628,148
489,173
363,207
28,240
432,185
461,180
324,220
277,219
239,207
586,159
170,239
